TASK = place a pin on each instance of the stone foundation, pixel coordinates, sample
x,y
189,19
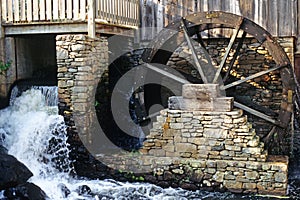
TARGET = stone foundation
x,y
81,61
205,150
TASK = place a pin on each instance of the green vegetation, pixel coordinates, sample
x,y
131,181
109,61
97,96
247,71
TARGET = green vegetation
x,y
4,66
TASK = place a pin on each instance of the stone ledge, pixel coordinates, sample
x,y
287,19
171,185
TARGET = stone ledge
x,y
236,176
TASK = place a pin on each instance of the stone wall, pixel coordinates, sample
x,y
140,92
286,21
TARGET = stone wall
x,y
222,142
81,61
196,147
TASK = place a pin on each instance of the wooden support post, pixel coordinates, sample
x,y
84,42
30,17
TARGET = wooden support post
x,y
91,19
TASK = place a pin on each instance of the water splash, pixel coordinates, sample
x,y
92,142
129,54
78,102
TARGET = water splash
x,y
36,135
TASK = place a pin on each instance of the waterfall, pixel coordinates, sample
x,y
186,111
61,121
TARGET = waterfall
x,y
49,93
35,134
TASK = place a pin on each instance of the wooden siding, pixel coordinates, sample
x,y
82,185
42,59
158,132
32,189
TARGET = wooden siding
x,y
36,12
279,17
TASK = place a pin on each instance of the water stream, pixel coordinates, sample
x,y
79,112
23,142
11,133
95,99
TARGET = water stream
x,y
35,134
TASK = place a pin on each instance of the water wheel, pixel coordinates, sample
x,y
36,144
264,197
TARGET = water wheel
x,y
271,74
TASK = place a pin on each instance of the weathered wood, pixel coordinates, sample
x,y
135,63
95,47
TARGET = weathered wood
x,y
69,9
167,74
10,17
35,5
235,55
56,28
258,114
91,19
83,9
76,9
235,83
55,15
4,11
228,49
62,9
43,10
22,9
16,11
29,10
48,10
200,66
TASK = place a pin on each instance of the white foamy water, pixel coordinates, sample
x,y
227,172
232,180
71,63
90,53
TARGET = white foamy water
x,y
36,135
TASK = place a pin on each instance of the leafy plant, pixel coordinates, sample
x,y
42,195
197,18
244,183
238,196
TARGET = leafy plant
x,y
4,66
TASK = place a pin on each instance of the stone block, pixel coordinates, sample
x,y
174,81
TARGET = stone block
x,y
223,104
280,177
185,147
203,92
157,152
215,133
175,103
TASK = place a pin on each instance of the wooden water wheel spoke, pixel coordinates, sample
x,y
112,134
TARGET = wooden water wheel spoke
x,y
250,77
200,40
203,67
166,74
236,54
258,114
228,49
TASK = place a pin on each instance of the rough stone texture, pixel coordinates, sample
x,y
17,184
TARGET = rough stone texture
x,y
221,147
205,134
12,171
235,176
81,61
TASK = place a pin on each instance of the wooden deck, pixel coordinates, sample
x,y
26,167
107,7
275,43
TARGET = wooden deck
x,y
67,16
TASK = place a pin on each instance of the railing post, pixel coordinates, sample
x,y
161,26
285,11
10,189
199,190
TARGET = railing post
x,y
91,19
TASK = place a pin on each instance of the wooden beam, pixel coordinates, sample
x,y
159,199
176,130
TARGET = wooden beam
x,y
236,53
167,74
229,47
194,54
235,83
91,19
44,28
258,114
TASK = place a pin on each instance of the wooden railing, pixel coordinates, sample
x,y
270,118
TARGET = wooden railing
x,y
118,12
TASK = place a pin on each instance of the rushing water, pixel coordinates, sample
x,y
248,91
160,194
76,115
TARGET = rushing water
x,y
35,134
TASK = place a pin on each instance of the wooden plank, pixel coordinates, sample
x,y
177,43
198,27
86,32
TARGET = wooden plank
x,y
42,10
229,47
236,53
294,18
235,83
272,20
22,9
91,19
55,9
166,73
201,69
76,9
83,9
285,18
29,10
10,17
35,9
4,10
205,6
258,114
69,9
62,9
56,28
17,10
48,10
